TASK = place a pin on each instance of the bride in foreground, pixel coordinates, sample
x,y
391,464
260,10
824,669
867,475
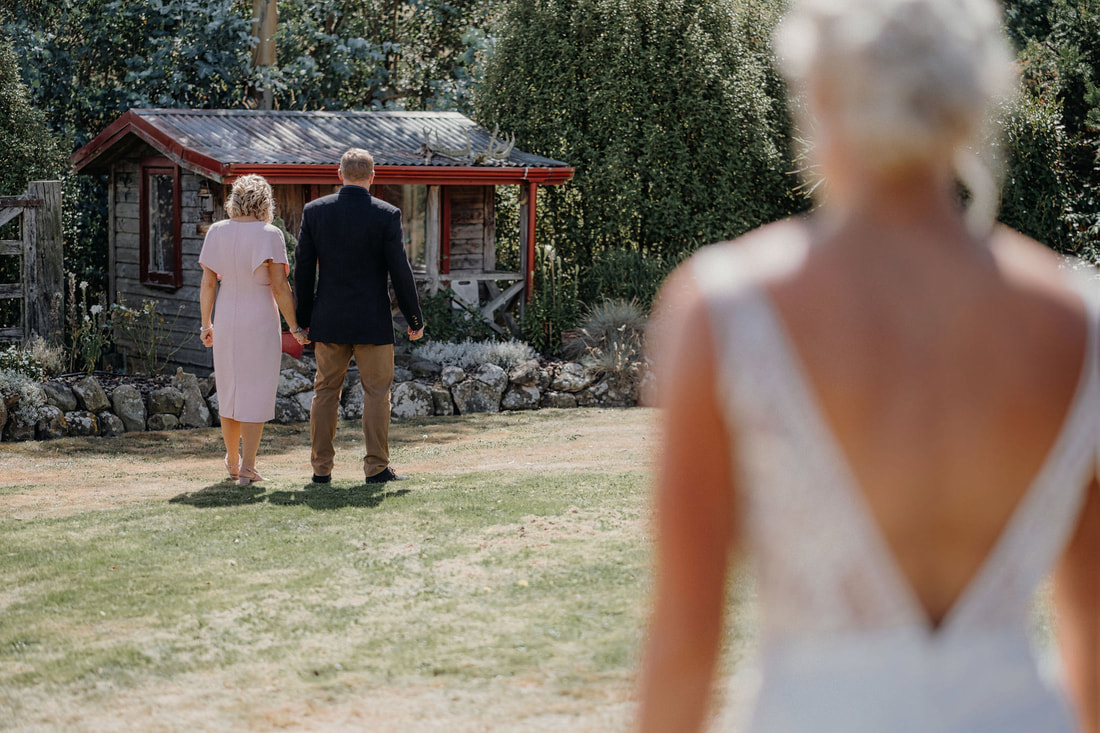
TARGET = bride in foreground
x,y
893,406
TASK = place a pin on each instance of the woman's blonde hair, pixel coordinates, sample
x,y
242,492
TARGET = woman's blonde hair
x,y
905,81
251,196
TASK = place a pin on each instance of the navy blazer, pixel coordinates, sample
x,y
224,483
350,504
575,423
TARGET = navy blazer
x,y
349,244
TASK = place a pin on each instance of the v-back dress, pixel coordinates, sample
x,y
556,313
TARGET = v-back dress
x,y
247,333
845,643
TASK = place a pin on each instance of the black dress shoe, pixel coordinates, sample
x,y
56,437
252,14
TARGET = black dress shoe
x,y
387,474
320,479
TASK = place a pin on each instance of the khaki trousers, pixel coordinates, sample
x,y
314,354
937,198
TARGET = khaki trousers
x,y
375,362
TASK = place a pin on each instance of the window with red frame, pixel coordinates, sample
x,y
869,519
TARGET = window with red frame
x,y
161,253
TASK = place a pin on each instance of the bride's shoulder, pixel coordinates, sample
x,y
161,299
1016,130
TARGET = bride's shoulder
x,y
755,258
1037,271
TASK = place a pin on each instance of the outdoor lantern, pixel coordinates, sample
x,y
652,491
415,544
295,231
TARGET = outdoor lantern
x,y
206,208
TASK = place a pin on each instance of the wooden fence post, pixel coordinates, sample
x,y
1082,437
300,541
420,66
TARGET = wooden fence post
x,y
43,262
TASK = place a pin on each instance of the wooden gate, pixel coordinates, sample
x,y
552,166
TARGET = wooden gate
x,y
42,267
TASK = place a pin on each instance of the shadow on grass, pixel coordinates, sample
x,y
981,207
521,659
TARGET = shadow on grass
x,y
222,494
315,496
327,496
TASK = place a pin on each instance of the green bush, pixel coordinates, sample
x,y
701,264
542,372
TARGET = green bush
x,y
1052,190
626,274
669,110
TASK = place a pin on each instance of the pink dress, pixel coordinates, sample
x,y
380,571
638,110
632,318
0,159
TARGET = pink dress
x,y
247,332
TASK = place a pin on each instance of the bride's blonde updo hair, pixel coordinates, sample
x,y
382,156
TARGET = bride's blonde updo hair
x,y
251,196
906,81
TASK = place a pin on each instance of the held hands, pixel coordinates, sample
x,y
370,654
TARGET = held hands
x,y
414,335
301,335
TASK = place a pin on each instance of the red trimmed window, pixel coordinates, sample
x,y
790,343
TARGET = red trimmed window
x,y
161,253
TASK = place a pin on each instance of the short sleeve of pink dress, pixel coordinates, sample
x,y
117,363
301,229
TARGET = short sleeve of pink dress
x,y
247,337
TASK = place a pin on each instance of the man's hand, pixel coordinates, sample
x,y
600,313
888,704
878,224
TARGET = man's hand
x,y
301,336
414,335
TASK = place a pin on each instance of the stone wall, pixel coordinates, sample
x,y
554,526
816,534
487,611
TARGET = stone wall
x,y
421,389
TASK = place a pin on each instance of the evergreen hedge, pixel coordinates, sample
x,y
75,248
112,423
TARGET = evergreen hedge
x,y
669,110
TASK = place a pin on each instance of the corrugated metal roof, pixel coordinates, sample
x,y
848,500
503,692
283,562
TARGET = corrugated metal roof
x,y
319,138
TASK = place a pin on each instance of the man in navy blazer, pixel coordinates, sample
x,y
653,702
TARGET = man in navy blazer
x,y
349,247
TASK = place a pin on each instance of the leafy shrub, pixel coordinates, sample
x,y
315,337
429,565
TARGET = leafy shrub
x,y
469,354
626,274
444,322
1052,189
611,338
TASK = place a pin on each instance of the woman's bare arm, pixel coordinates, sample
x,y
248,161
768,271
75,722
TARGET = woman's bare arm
x,y
1077,603
695,520
208,290
280,288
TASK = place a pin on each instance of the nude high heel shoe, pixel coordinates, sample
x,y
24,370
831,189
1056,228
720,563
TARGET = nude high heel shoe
x,y
248,476
232,469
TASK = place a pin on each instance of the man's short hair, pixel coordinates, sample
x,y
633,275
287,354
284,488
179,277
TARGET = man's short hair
x,y
357,164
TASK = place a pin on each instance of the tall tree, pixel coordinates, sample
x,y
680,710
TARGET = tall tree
x,y
28,148
669,109
88,61
363,54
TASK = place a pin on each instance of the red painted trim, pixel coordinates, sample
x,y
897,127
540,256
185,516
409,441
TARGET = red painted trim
x,y
445,230
532,201
132,123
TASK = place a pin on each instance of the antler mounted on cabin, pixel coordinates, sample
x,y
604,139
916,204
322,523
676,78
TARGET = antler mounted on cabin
x,y
498,148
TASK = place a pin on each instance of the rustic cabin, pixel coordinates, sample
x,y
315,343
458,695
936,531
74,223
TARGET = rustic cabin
x,y
169,172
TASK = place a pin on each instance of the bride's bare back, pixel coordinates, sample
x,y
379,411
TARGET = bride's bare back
x,y
945,368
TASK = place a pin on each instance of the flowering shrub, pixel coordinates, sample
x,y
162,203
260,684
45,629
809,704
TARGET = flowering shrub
x,y
89,327
15,359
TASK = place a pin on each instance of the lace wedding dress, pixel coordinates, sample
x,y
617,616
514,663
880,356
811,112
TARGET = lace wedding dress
x,y
846,645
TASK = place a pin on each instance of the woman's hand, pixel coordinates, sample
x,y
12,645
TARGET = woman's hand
x,y
206,335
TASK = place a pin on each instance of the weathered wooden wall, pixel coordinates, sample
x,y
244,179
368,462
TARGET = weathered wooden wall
x,y
125,223
473,229
41,254
290,199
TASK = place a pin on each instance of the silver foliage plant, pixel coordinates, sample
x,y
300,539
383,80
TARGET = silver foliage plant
x,y
28,396
469,354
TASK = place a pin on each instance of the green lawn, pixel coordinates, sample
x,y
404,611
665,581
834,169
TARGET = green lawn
x,y
502,588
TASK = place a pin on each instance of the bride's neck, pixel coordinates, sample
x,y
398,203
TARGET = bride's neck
x,y
920,202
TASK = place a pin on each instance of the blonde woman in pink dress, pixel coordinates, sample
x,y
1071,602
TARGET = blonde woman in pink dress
x,y
240,319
